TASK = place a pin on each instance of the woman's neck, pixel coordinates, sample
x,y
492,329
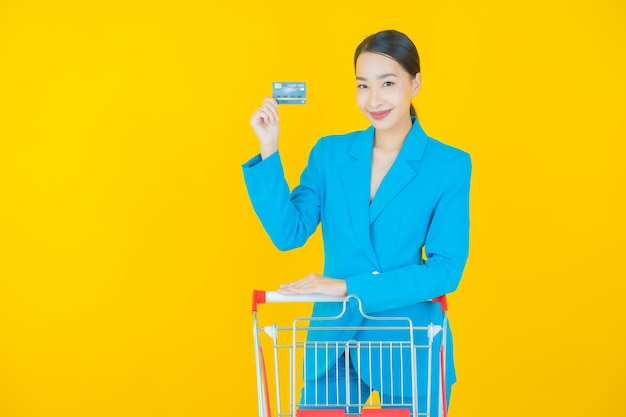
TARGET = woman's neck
x,y
393,139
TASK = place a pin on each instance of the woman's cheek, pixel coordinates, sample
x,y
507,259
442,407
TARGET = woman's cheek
x,y
361,98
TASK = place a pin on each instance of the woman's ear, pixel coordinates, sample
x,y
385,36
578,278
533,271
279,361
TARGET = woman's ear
x,y
417,83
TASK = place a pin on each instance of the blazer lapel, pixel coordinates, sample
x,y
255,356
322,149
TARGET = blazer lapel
x,y
403,170
355,177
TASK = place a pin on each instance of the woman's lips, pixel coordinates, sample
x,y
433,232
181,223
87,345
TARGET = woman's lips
x,y
379,115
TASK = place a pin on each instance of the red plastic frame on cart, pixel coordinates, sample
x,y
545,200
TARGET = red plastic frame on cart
x,y
367,412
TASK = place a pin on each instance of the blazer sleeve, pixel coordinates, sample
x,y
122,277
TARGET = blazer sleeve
x,y
289,218
446,247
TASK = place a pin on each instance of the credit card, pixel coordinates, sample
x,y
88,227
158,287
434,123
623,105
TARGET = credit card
x,y
290,92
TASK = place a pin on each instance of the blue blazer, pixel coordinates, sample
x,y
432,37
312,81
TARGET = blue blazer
x,y
406,247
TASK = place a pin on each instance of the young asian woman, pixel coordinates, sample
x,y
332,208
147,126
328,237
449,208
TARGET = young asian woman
x,y
393,204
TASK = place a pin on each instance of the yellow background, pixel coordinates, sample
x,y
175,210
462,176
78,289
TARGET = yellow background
x,y
128,248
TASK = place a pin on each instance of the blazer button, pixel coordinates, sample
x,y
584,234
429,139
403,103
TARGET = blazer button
x,y
375,272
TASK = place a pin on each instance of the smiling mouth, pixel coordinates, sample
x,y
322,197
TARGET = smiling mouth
x,y
379,115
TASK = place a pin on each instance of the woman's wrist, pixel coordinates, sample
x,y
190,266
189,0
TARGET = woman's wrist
x,y
268,150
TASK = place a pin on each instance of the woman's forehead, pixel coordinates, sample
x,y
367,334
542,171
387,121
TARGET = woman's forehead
x,y
372,65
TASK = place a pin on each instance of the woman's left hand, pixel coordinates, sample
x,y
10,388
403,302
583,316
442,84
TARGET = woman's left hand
x,y
315,284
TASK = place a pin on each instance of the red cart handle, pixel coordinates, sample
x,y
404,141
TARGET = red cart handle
x,y
258,297
444,302
262,297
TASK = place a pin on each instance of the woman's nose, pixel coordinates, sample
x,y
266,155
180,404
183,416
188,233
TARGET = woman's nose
x,y
374,98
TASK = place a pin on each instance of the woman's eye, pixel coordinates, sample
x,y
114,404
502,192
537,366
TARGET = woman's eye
x,y
361,86
387,83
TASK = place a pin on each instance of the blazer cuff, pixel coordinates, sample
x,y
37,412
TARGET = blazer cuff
x,y
258,170
360,284
257,160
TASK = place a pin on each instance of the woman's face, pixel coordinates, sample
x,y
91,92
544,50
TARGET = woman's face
x,y
384,90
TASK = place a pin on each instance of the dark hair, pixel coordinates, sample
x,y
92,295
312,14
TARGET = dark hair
x,y
397,46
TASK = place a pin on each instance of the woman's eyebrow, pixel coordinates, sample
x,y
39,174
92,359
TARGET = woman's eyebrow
x,y
389,74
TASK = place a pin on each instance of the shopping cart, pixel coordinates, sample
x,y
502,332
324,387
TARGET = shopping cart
x,y
390,365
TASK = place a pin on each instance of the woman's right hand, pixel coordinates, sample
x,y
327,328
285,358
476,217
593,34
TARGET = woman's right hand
x,y
264,122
